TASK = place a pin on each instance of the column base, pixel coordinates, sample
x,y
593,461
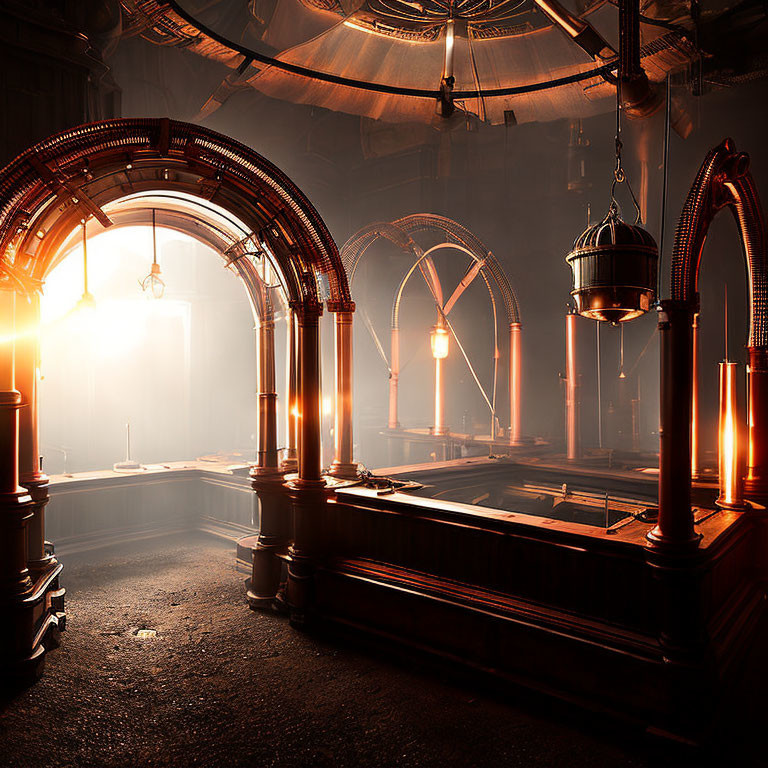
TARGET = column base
x,y
36,621
343,471
269,546
666,544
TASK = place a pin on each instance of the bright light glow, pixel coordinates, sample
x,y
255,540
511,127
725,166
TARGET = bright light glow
x,y
107,327
154,283
730,480
327,406
439,339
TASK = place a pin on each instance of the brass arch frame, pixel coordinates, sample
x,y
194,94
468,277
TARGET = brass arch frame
x,y
400,232
45,194
723,181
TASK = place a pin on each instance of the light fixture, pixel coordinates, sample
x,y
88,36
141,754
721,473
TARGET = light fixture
x,y
153,282
728,442
86,300
439,339
613,263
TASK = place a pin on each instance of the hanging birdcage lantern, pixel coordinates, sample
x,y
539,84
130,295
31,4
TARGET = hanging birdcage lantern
x,y
614,268
614,264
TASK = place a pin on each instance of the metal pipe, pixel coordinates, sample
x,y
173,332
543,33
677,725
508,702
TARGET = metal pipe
x,y
267,430
695,465
440,427
310,469
394,377
343,463
572,391
599,388
289,461
515,372
757,455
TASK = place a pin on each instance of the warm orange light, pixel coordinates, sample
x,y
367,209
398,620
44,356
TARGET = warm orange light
x,y
439,339
515,366
695,401
728,459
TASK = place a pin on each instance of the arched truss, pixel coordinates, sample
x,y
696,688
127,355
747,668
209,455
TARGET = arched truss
x,y
723,181
457,237
206,223
50,188
401,231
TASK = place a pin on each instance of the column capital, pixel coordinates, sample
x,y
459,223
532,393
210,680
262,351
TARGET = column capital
x,y
307,309
340,306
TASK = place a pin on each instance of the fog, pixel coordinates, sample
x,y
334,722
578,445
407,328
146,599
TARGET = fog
x,y
181,369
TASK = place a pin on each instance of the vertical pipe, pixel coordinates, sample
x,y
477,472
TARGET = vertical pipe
x,y
14,503
515,364
289,462
439,428
695,466
30,474
572,391
728,440
267,450
599,388
756,484
636,418
675,525
310,470
394,378
343,463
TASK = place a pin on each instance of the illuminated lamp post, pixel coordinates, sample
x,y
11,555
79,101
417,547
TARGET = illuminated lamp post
x,y
439,341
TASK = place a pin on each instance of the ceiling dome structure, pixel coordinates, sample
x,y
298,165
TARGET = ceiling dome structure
x,y
502,62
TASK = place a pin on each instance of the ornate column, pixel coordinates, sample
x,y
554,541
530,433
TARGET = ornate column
x,y
267,479
308,490
30,470
267,450
344,464
674,530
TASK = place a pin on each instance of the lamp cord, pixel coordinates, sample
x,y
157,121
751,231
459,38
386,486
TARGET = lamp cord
x,y
619,174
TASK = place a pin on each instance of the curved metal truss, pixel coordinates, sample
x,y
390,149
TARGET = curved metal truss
x,y
402,233
49,189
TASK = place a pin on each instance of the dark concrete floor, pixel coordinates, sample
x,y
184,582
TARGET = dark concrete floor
x,y
222,686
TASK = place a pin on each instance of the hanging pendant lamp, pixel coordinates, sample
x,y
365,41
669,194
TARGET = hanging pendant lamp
x,y
153,282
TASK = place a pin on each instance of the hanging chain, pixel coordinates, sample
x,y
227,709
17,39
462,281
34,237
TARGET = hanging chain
x,y
619,174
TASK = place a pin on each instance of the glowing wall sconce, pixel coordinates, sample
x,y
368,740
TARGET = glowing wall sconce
x,y
728,440
438,339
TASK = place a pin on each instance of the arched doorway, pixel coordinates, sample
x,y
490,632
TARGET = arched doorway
x,y
116,171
